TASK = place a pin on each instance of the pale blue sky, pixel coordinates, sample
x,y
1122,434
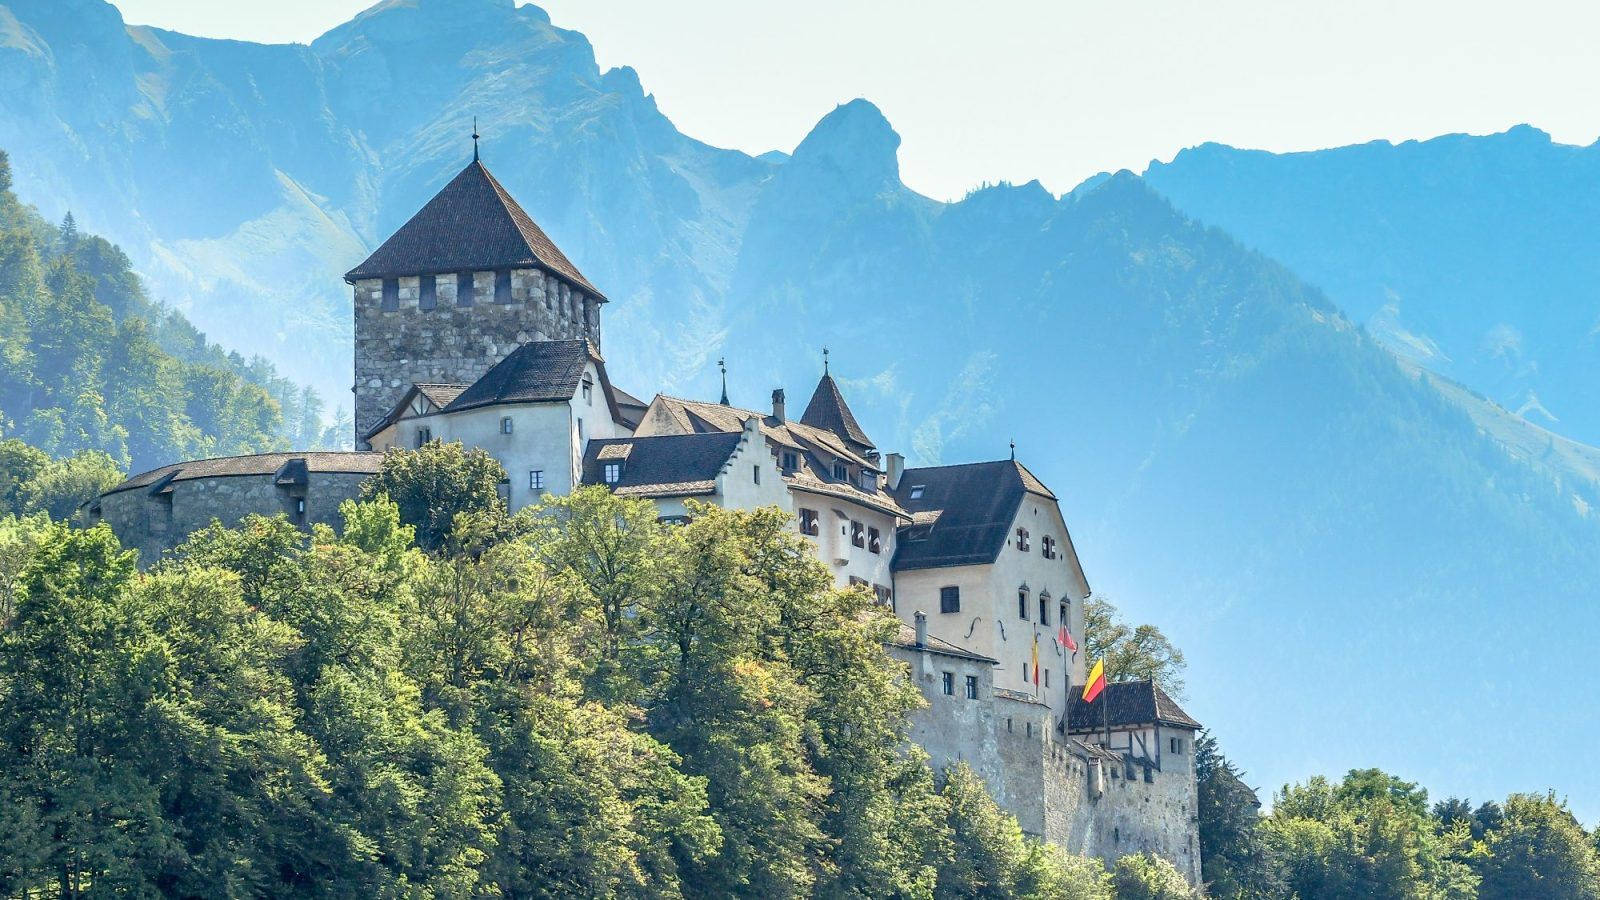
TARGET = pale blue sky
x,y
1021,89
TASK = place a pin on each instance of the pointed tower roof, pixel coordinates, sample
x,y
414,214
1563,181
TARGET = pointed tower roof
x,y
828,411
473,224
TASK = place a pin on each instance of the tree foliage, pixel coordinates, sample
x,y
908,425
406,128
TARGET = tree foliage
x,y
1131,652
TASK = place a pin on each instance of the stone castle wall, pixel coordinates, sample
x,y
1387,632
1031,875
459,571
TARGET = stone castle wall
x,y
1075,797
153,525
451,343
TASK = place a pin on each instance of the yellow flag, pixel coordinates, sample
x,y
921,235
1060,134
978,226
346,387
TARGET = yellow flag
x,y
1036,659
1096,682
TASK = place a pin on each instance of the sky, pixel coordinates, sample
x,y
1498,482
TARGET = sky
x,y
1058,90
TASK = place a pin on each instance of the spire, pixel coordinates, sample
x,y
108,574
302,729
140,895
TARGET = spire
x,y
824,360
722,363
474,138
1013,449
828,411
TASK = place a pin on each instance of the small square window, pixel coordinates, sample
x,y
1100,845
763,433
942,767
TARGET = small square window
x,y
972,687
916,491
613,473
536,479
949,684
950,599
505,424
464,288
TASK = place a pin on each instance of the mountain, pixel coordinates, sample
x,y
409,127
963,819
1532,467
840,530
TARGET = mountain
x,y
1473,256
1367,562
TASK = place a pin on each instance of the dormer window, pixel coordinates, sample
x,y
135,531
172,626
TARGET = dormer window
x,y
791,461
1022,539
505,424
588,391
841,472
869,482
916,491
613,473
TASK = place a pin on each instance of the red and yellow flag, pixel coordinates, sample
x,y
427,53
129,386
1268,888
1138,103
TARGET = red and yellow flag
x,y
1096,682
1036,659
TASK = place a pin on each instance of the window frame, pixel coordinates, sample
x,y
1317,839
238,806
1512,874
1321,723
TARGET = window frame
x,y
950,598
810,522
1022,539
874,539
506,425
535,479
1024,605
948,683
424,435
611,472
755,474
858,534
917,490
972,687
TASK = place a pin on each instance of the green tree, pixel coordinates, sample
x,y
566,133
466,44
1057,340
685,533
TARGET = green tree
x,y
1131,652
1539,850
434,483
1236,859
1145,876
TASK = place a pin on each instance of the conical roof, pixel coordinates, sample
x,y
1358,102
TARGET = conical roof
x,y
828,411
473,224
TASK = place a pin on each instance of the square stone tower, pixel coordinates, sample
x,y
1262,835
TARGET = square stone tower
x,y
467,280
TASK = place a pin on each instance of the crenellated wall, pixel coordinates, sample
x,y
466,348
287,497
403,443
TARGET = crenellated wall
x,y
452,343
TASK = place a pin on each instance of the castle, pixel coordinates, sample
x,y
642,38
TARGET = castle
x,y
472,326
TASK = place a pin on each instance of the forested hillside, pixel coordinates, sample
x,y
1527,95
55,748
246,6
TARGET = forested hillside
x,y
89,362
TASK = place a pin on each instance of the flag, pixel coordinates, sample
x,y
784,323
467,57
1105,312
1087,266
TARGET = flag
x,y
1036,659
1065,637
1096,682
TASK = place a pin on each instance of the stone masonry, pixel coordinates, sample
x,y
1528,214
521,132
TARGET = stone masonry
x,y
453,343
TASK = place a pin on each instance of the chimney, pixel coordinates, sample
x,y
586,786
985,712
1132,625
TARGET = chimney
x,y
922,628
777,405
894,468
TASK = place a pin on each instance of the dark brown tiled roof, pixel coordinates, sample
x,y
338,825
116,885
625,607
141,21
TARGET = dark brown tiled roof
x,y
536,372
1130,703
291,465
907,638
828,411
963,514
665,465
473,224
440,395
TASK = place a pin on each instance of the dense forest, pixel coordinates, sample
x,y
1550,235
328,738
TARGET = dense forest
x,y
88,362
442,699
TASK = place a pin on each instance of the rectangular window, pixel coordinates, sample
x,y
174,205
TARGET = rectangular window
x,y
673,520
858,535
427,294
1047,546
1022,604
916,491
536,480
502,286
755,474
808,522
613,473
790,461
949,684
465,288
1062,609
874,540
857,581
580,431
1044,610
1046,677
300,509
424,435
950,599
884,595
841,472
505,424
1025,678
1022,539
391,293
972,687
1177,745
588,391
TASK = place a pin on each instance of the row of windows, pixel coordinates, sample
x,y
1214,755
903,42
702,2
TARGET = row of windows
x,y
1047,544
950,685
866,536
466,290
1024,608
885,596
1027,675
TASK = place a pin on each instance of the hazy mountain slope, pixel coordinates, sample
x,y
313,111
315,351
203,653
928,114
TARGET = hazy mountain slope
x,y
1473,255
1362,572
245,178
